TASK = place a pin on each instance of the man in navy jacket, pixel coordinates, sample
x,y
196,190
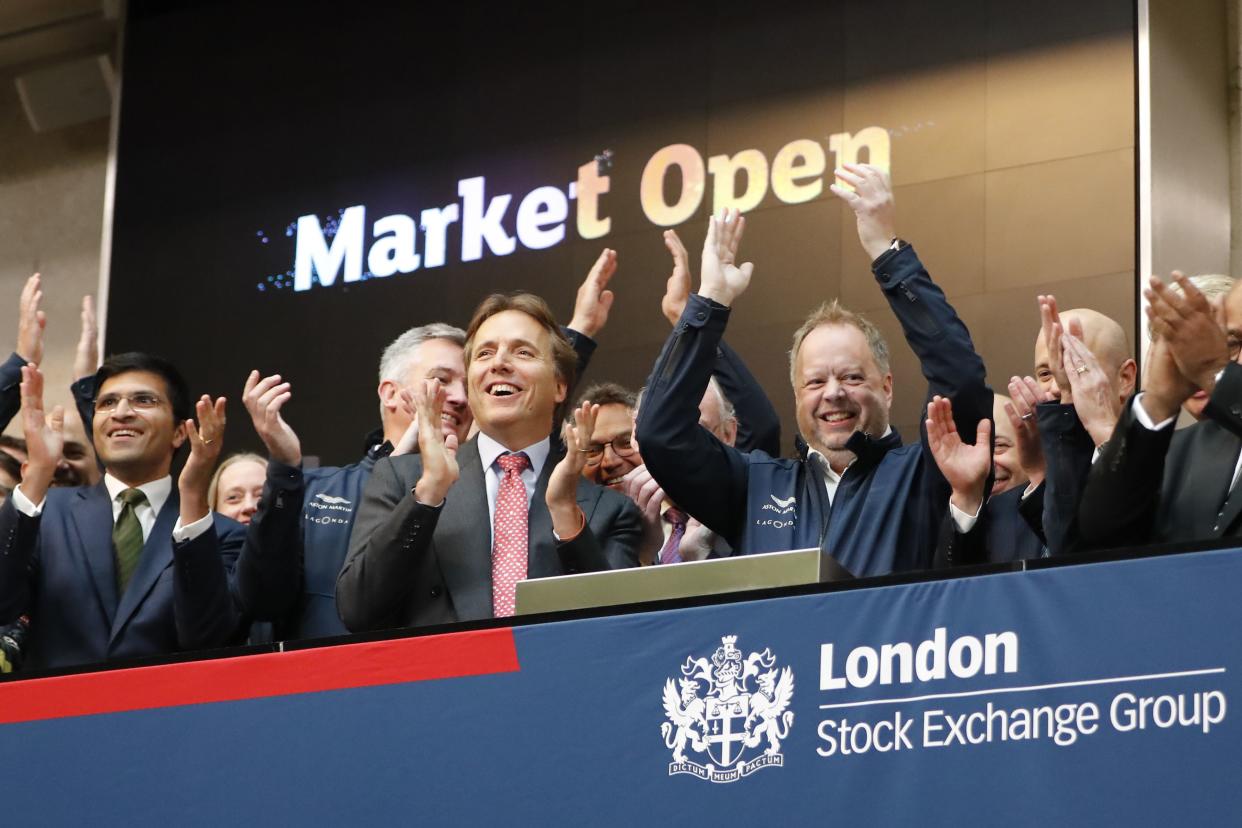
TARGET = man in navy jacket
x,y
873,503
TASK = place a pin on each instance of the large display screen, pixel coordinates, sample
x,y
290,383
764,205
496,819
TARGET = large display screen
x,y
299,182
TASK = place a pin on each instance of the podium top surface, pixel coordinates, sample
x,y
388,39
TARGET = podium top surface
x,y
682,580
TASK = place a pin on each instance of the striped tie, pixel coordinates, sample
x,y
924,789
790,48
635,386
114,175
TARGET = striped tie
x,y
127,537
671,553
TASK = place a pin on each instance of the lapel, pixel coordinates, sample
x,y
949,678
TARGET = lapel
x,y
541,558
157,555
91,517
463,543
1222,444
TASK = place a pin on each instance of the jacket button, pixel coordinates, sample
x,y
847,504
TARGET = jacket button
x,y
435,592
701,315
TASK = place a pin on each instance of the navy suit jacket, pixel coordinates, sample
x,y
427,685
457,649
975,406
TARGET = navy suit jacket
x,y
59,568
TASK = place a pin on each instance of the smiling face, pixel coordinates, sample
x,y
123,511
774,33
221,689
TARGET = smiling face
x,y
134,427
614,423
513,385
839,389
1009,472
239,490
436,359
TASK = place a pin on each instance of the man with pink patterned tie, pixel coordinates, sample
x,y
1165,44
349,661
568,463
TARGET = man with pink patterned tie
x,y
444,535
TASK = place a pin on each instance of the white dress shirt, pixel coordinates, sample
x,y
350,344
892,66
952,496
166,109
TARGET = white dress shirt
x,y
1145,421
490,451
157,492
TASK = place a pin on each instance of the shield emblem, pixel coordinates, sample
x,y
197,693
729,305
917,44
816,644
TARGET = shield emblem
x,y
726,728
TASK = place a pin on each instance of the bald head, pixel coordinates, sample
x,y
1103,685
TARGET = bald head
x,y
1105,338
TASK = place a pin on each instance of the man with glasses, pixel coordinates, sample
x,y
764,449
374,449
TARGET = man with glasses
x,y
613,460
132,566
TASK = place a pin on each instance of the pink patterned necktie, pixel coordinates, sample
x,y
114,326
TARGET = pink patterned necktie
x,y
671,553
509,534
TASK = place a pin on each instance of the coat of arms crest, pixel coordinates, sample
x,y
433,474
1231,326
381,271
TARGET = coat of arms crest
x,y
730,711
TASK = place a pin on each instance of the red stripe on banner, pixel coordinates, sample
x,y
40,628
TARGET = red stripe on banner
x,y
452,655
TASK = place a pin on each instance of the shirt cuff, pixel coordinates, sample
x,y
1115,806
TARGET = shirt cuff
x,y
1141,415
581,526
181,534
963,521
23,504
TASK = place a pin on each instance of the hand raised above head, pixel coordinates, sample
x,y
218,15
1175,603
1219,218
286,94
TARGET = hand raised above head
x,y
594,300
44,433
870,196
86,357
677,289
31,320
722,280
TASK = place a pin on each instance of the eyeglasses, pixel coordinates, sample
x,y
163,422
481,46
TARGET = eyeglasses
x,y
622,446
140,401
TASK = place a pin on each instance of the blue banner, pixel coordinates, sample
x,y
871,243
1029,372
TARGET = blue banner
x,y
1087,695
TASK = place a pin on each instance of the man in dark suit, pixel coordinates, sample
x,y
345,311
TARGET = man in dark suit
x,y
129,567
445,535
1152,484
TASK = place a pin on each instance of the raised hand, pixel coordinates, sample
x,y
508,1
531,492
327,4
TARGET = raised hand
x,y
964,466
439,453
206,440
264,398
594,299
677,290
697,543
86,357
1026,394
45,436
1166,388
1050,331
31,321
409,438
1095,400
870,196
562,493
640,487
1188,324
723,280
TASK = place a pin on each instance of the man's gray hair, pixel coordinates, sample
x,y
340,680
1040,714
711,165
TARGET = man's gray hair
x,y
395,363
727,411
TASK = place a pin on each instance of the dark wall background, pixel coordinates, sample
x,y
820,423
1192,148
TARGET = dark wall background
x,y
1012,151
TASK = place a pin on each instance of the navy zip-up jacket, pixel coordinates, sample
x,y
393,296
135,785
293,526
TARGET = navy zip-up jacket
x,y
886,514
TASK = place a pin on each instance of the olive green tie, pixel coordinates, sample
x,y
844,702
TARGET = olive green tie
x,y
127,537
